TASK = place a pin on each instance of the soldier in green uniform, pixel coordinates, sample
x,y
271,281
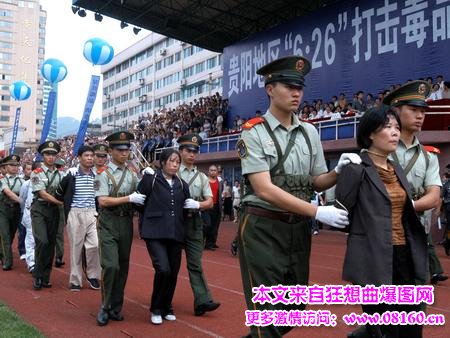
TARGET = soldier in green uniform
x,y
45,213
115,190
10,213
59,262
201,199
282,164
420,162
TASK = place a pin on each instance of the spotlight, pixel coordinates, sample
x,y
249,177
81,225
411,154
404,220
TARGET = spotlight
x,y
136,30
82,13
98,17
75,9
123,24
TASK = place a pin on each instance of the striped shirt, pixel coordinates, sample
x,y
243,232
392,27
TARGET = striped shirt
x,y
84,195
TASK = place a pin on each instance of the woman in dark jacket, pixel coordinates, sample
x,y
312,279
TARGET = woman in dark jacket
x,y
386,242
161,226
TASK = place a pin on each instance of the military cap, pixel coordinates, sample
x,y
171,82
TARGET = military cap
x,y
60,162
11,160
100,149
120,140
290,70
413,93
190,141
49,147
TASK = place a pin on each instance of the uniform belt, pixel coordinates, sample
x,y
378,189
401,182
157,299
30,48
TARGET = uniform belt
x,y
286,217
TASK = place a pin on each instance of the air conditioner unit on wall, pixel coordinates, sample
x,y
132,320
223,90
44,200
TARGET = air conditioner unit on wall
x,y
183,83
163,51
107,96
143,98
142,82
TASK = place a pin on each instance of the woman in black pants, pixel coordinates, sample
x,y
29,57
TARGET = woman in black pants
x,y
161,226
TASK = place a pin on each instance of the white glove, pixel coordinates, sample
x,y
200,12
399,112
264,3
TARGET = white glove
x,y
73,171
148,171
191,204
332,216
347,158
137,198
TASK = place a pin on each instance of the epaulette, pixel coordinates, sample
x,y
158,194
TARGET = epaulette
x,y
253,122
432,149
38,170
99,171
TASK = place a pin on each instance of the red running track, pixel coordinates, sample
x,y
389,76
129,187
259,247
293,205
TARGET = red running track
x,y
57,312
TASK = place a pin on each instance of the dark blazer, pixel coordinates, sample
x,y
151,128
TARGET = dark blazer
x,y
65,192
368,259
162,215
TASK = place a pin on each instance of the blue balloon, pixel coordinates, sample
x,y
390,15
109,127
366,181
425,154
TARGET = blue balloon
x,y
20,90
53,70
98,51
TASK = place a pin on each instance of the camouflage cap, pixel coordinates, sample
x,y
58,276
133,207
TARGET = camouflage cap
x,y
290,70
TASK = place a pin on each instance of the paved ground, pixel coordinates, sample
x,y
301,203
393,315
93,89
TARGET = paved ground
x,y
57,312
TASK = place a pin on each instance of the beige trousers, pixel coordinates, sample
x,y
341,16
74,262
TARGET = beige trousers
x,y
82,232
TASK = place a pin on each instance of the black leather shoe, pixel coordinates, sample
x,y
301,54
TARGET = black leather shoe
x,y
37,283
47,285
215,246
102,317
210,248
117,316
59,262
7,267
206,307
438,277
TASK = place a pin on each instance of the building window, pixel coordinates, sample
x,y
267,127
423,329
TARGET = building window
x,y
4,107
6,35
4,118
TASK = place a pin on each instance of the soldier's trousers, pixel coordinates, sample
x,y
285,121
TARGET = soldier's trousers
x,y
115,234
9,221
433,261
60,234
45,220
194,248
272,252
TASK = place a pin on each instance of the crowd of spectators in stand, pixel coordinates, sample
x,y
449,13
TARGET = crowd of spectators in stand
x,y
207,116
339,107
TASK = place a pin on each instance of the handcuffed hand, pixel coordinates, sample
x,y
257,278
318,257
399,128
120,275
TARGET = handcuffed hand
x,y
148,171
137,198
333,216
73,171
191,204
347,158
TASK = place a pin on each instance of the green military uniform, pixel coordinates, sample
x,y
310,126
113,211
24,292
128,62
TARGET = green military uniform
x,y
274,246
59,164
10,214
199,190
44,216
421,166
115,227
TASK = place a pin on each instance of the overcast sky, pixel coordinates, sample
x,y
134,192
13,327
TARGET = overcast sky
x,y
65,38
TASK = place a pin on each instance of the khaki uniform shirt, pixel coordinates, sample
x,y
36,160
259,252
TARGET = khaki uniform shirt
x,y
200,188
40,179
13,183
419,177
262,155
104,185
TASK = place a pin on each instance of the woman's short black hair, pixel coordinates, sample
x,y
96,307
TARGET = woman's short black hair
x,y
165,155
370,122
